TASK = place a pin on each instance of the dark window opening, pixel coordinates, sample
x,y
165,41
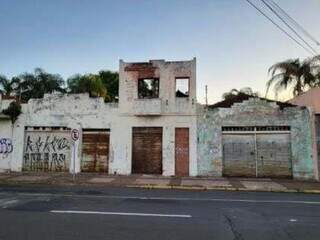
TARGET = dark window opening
x,y
148,88
257,128
182,87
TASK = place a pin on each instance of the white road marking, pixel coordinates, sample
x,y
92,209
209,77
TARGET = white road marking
x,y
293,220
122,213
4,203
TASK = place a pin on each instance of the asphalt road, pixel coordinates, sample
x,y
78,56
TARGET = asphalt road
x,y
121,213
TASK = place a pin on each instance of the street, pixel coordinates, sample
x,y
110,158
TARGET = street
x,y
124,213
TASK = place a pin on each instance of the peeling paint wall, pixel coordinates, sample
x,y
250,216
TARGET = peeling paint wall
x,y
6,144
79,111
167,111
255,112
6,137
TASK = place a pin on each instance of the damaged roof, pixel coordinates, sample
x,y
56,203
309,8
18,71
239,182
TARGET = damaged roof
x,y
227,103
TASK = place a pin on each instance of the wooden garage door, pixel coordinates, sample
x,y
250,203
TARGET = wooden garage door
x,y
95,150
239,155
147,150
182,151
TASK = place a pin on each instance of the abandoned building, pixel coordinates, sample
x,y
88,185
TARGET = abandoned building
x,y
152,130
254,137
157,127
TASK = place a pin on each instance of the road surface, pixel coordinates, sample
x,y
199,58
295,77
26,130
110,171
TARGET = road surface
x,y
122,213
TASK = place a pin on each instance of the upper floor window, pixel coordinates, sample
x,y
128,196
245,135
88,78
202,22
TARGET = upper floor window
x,y
182,87
148,88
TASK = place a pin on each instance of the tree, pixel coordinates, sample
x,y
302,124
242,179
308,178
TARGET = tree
x,y
234,92
13,111
90,83
35,85
8,86
293,73
111,82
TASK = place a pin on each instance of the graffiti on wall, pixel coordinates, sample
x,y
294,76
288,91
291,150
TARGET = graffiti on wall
x,y
45,151
6,146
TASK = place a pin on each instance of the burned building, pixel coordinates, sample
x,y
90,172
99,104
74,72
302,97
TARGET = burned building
x,y
157,127
152,130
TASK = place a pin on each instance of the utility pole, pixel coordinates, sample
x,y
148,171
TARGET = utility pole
x,y
206,89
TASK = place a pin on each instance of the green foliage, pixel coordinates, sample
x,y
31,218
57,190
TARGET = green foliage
x,y
35,85
8,86
90,83
234,92
111,82
14,110
105,84
295,75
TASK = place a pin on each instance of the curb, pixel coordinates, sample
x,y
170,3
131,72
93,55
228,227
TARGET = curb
x,y
203,188
166,187
310,191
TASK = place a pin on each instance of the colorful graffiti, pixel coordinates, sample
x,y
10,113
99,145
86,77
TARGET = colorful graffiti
x,y
46,152
6,146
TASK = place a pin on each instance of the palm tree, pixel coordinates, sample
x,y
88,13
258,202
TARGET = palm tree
x,y
35,85
90,83
292,73
8,86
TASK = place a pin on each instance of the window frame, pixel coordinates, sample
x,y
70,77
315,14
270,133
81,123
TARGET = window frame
x,y
157,92
175,91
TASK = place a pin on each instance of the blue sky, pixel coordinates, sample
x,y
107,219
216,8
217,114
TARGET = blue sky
x,y
234,45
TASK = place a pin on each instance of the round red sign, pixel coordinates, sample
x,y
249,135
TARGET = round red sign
x,y
75,134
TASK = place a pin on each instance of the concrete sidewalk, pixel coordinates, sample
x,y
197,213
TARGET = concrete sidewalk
x,y
160,182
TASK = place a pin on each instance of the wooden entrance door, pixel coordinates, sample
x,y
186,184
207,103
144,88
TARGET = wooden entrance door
x,y
182,151
95,150
147,150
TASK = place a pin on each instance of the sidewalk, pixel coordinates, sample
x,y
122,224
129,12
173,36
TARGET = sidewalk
x,y
160,182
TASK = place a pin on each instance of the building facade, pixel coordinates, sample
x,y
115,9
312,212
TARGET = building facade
x,y
157,127
254,137
150,130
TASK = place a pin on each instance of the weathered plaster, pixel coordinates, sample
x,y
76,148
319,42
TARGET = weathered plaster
x,y
255,112
78,111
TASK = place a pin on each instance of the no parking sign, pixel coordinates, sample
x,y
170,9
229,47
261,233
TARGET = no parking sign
x,y
74,137
75,134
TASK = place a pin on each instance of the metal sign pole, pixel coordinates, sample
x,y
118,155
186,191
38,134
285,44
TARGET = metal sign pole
x,y
74,161
74,137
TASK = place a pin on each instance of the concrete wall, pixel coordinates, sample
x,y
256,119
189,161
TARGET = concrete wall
x,y
6,144
311,99
256,112
6,137
167,72
76,111
172,113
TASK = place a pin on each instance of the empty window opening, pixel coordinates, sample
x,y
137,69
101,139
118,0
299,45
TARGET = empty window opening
x,y
148,88
182,87
256,128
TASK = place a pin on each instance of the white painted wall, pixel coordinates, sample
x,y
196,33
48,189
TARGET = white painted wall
x,y
78,111
6,145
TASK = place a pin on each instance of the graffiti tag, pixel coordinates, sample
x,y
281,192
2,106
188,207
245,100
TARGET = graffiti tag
x,y
6,146
46,152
